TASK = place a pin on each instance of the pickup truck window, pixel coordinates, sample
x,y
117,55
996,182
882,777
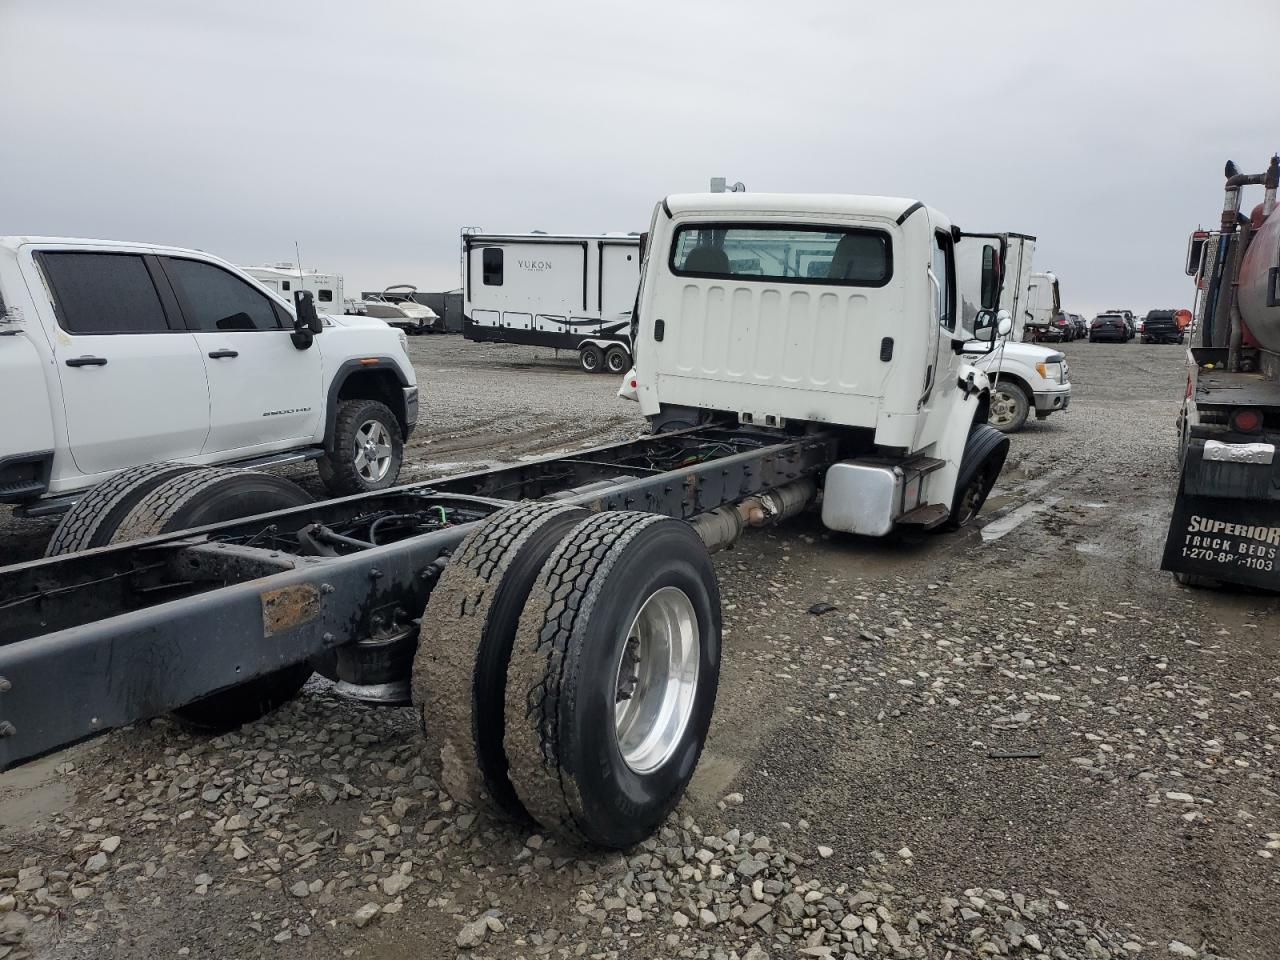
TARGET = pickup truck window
x,y
214,299
96,293
792,253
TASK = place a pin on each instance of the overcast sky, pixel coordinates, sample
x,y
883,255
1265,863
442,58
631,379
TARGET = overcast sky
x,y
372,132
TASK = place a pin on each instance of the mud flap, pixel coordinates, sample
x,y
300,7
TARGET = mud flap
x,y
1228,539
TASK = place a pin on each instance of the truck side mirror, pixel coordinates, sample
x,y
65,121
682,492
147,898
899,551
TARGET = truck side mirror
x,y
306,322
991,325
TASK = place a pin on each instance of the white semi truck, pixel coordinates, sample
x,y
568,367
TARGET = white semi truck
x,y
556,623
566,291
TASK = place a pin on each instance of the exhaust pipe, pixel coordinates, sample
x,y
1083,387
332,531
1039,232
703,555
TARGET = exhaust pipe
x,y
720,527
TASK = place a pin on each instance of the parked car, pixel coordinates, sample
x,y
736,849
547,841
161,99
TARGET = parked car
x,y
1079,326
1057,330
1161,326
124,354
1110,326
1130,321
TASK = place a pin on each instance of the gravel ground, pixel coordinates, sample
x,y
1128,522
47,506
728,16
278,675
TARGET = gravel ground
x,y
1022,740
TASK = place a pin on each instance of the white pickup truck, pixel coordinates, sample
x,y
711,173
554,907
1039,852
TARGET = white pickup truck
x,y
119,354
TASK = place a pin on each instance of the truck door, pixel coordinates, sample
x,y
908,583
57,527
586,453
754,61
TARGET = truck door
x,y
133,384
980,270
264,392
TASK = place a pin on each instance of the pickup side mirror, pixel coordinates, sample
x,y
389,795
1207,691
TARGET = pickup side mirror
x,y
306,322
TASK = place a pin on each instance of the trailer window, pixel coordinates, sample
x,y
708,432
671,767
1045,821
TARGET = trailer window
x,y
284,285
491,260
103,293
326,296
792,253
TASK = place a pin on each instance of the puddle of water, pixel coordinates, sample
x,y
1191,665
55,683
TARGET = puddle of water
x,y
1011,521
33,793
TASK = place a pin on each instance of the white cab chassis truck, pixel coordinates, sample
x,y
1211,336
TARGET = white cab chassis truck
x,y
114,355
567,291
556,623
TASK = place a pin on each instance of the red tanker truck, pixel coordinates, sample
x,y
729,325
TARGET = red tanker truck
x,y
1226,519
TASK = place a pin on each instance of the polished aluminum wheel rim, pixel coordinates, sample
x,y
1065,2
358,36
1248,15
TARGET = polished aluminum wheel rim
x,y
373,451
657,680
1003,408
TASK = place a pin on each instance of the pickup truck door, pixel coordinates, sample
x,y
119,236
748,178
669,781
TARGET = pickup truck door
x,y
264,393
132,381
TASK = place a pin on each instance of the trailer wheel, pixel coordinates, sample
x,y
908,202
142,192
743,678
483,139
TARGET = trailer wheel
x,y
984,454
612,679
367,449
591,358
197,498
94,518
460,670
1009,407
617,360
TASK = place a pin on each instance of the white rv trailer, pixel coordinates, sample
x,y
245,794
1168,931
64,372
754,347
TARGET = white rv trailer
x,y
568,291
284,278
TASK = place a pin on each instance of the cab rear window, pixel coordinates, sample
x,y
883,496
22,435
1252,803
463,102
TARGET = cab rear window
x,y
791,253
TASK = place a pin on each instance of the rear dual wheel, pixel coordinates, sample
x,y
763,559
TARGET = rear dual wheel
x,y
165,498
587,711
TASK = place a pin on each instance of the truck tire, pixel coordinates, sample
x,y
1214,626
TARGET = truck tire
x,y
205,496
94,518
612,679
984,454
617,360
591,357
460,670
367,449
1009,407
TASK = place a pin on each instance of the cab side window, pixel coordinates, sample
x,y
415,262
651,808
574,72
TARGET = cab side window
x,y
97,293
944,272
215,300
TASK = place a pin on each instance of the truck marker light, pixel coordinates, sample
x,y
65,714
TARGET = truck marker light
x,y
1246,421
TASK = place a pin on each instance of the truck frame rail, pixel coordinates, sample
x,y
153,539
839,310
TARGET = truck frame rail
x,y
97,640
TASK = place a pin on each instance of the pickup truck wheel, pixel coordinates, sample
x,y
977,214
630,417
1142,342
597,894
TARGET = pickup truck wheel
x,y
460,671
93,520
1009,407
591,357
194,499
984,454
367,449
612,678
617,360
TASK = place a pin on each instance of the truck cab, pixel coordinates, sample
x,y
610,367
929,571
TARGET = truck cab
x,y
795,311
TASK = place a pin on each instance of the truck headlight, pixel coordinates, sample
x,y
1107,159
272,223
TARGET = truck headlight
x,y
1052,370
404,341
